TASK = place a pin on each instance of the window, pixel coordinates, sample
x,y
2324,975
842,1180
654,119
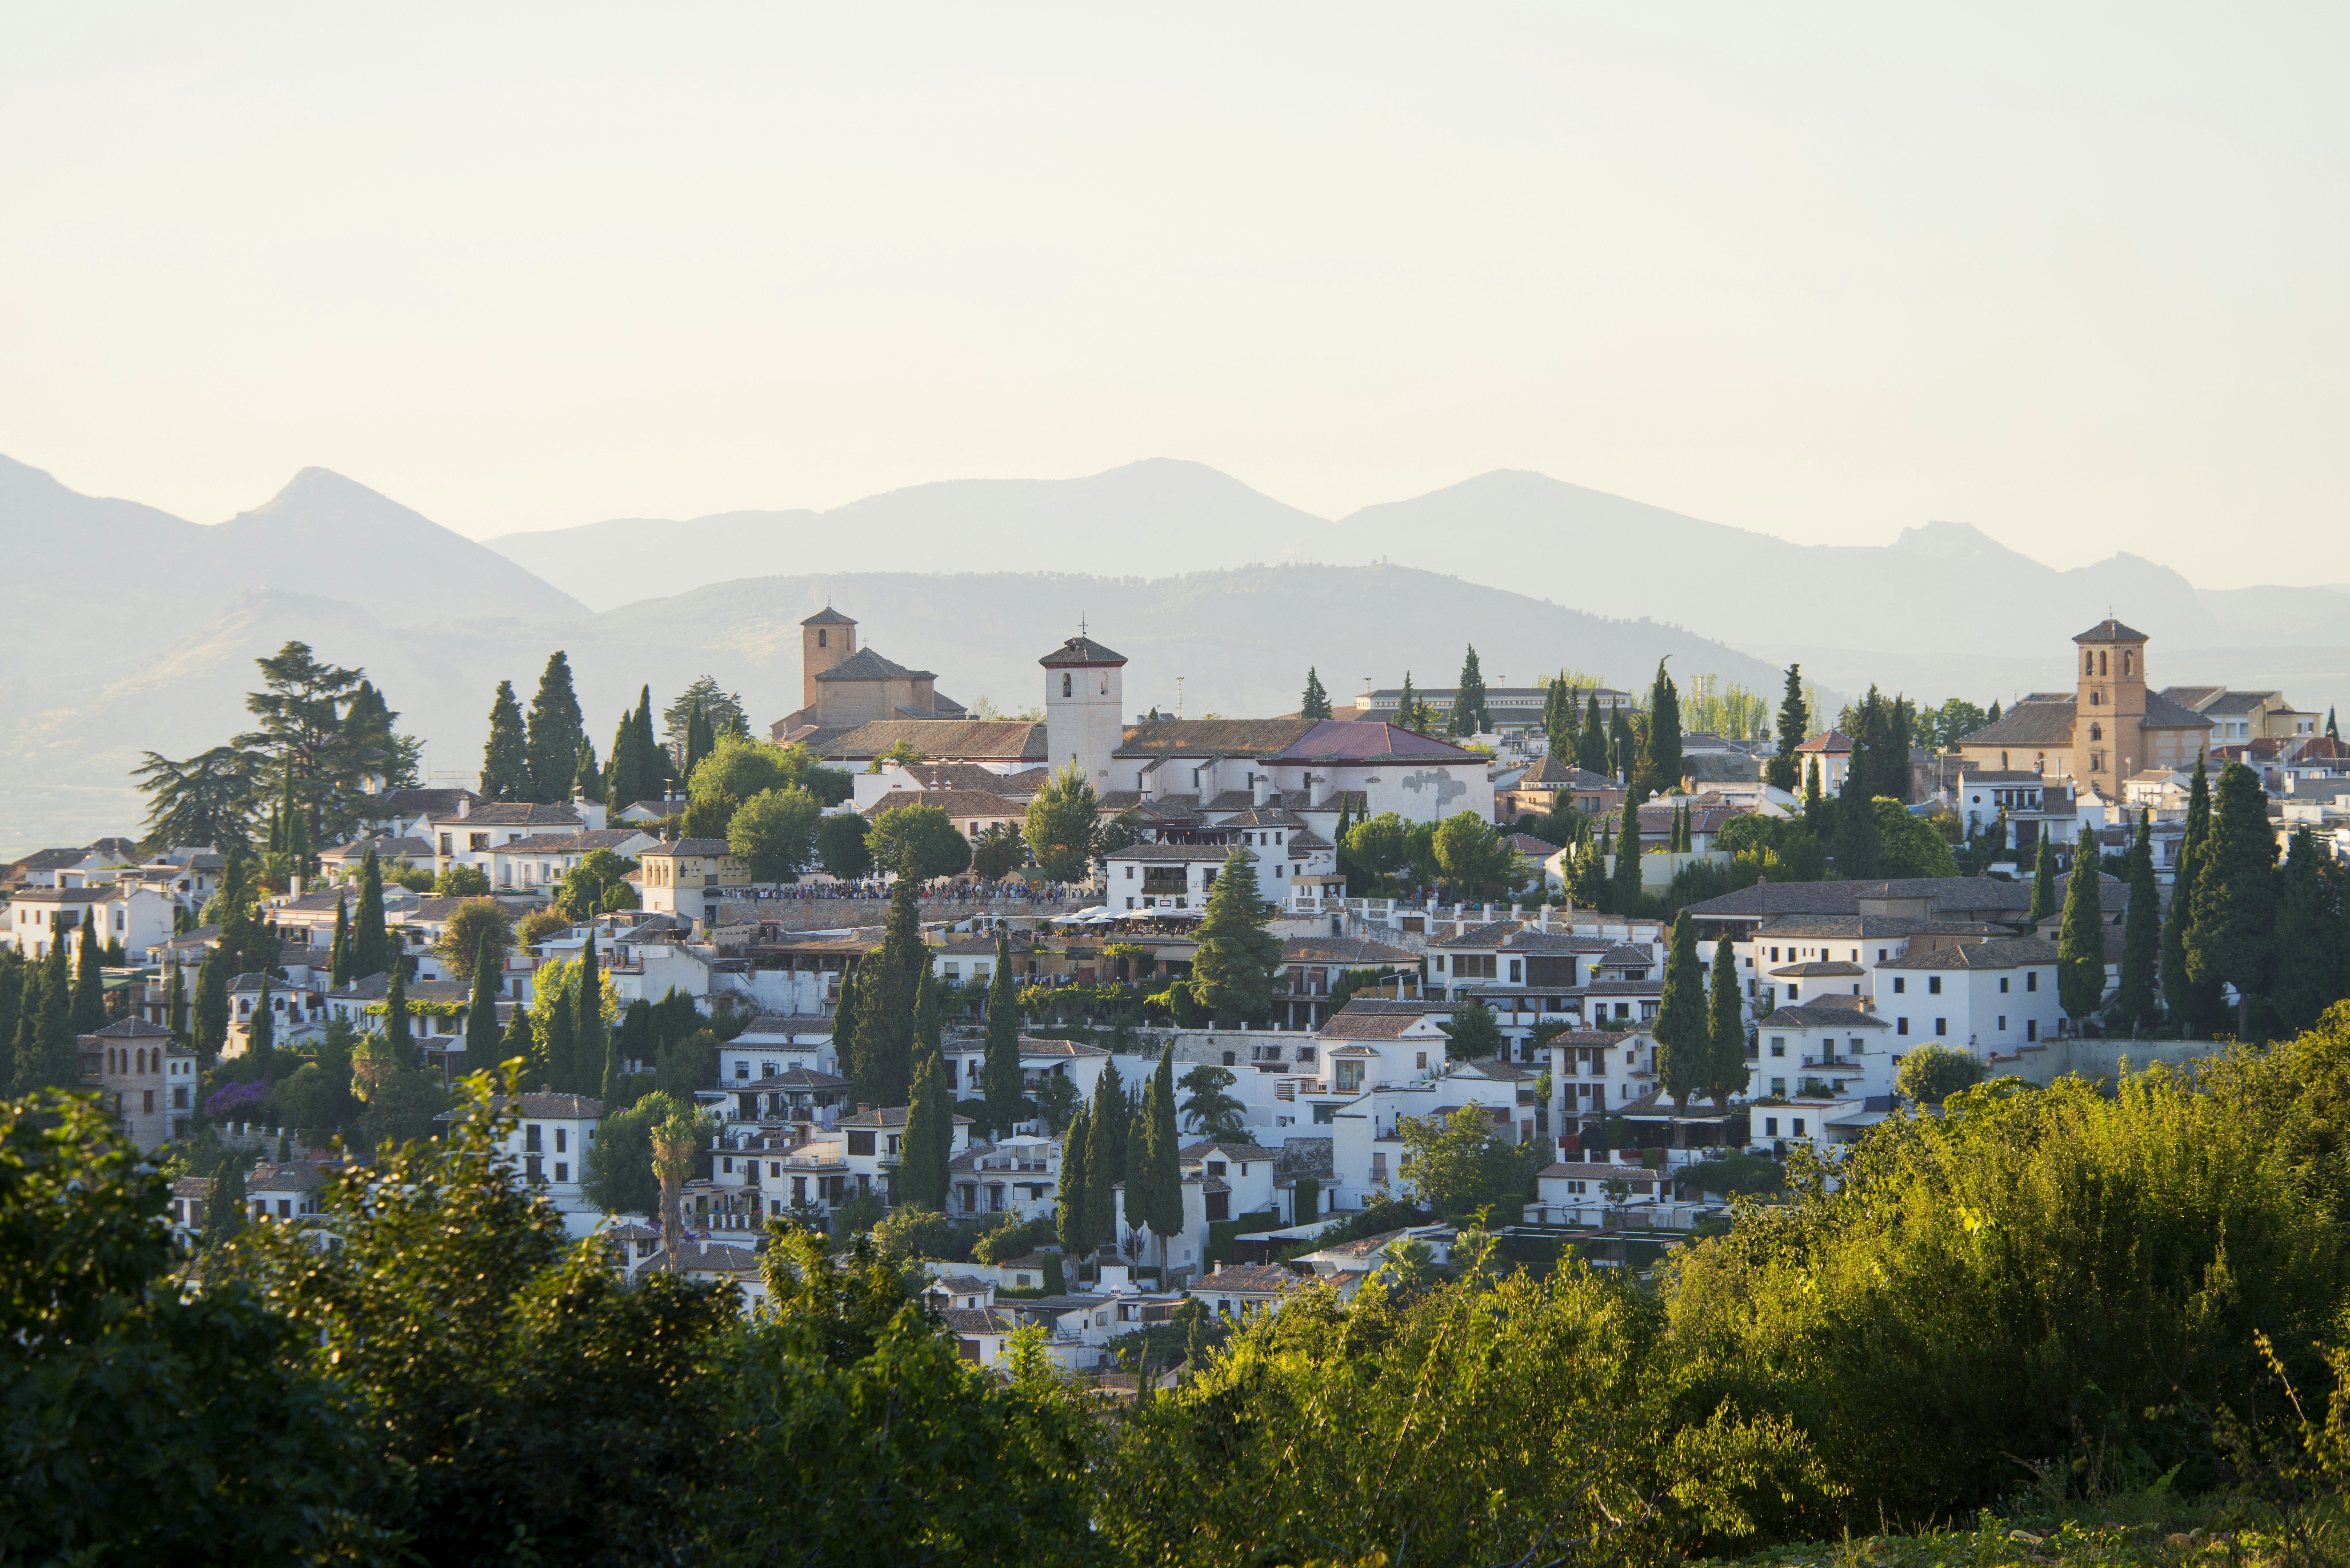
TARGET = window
x,y
742,1071
2002,1023
2002,985
1799,1127
2032,980
1933,985
1771,1124
530,1139
860,1143
1900,985
1778,1045
2031,1029
1422,1061
1901,1026
1064,683
819,636
562,1171
1941,1026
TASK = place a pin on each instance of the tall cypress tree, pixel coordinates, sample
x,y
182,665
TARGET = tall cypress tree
x,y
2081,942
176,1006
1103,1166
1408,705
2308,938
588,1045
651,757
2191,1004
929,1139
1665,761
555,1054
261,1035
623,785
1794,727
1166,1172
481,1012
882,1046
370,948
396,1033
1071,1224
2235,895
1591,746
1624,886
1725,1029
2332,733
521,1040
1859,847
555,732
212,1005
1000,1068
587,773
1316,702
2133,1003
88,1011
1682,1026
505,759
1115,1111
926,1011
1468,716
2044,879
338,956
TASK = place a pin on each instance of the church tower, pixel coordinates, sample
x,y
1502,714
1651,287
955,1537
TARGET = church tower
x,y
1085,701
826,638
2109,709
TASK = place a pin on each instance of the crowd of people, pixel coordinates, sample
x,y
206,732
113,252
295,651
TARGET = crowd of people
x,y
952,889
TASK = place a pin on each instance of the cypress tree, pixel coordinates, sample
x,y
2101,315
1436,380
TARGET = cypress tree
x,y
1316,702
2332,733
881,1057
1069,1218
1725,1029
697,740
261,1035
1115,1112
1591,746
1233,973
1682,1026
1165,1173
1815,806
212,1005
481,1012
395,1019
521,1040
1859,848
926,1012
1468,716
2141,935
556,1056
1408,705
589,1047
1141,1130
1993,717
587,775
1794,727
1665,761
651,757
1103,1167
338,956
176,1006
623,781
2235,895
370,948
1893,768
2192,1005
225,1213
505,759
2081,942
2043,881
1623,886
2308,938
555,732
13,976
929,1136
87,1014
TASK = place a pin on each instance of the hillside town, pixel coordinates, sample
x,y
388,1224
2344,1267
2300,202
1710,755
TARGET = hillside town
x,y
1102,1019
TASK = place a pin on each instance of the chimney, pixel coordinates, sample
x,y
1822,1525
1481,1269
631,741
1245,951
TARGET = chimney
x,y
1319,789
464,805
863,1107
1261,788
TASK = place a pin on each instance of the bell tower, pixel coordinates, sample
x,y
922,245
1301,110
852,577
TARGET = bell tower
x,y
826,638
1085,697
2109,707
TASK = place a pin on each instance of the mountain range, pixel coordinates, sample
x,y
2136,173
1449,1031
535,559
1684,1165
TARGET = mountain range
x,y
135,630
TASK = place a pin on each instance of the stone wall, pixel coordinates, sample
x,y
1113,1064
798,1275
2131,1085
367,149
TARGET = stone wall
x,y
2099,1058
835,914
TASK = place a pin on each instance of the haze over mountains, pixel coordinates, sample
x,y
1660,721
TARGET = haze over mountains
x,y
136,629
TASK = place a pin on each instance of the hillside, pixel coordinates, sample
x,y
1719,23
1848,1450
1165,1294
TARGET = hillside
x,y
1241,640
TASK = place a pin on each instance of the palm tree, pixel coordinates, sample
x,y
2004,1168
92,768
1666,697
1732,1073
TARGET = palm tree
x,y
675,1142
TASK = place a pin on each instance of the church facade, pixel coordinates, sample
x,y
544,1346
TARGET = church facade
x,y
2109,728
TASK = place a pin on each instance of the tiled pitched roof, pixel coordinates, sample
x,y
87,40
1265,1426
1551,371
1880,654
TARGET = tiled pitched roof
x,y
2162,714
866,665
1259,1279
1820,969
516,814
2029,724
580,843
827,616
1772,899
678,847
2110,631
1818,1015
1339,950
2007,952
1827,740
963,740
954,802
1080,650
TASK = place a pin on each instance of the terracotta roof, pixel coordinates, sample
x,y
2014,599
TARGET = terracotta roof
x,y
1820,1016
1338,950
1370,1018
866,665
516,814
2007,952
1827,740
131,1029
1080,650
827,616
954,802
580,843
885,1117
2029,724
973,777
678,847
2110,631
1549,772
1258,1278
1816,968
962,740
1290,738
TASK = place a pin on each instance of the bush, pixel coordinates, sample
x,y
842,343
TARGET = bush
x,y
1007,1236
463,882
1735,1174
1932,1073
915,1231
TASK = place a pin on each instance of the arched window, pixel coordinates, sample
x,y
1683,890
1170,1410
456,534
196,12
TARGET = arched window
x,y
1064,683
2096,731
2095,697
2088,663
2126,662
2101,664
1105,690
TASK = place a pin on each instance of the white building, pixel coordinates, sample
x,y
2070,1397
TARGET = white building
x,y
133,913
1084,707
1993,998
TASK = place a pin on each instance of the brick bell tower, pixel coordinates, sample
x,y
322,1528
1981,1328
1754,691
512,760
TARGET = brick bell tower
x,y
2109,708
826,638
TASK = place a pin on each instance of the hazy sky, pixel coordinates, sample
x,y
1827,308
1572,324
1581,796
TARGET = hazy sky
x,y
2076,277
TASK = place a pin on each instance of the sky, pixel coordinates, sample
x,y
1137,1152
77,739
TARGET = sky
x,y
2072,276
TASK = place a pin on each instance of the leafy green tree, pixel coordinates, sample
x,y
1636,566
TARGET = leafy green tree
x,y
929,1138
403,1109
2044,879
917,840
1231,974
2234,901
1380,846
597,882
773,832
1060,825
721,711
555,734
1468,716
146,1422
516,1390
1471,1034
590,1023
1316,703
1908,845
1213,1113
1073,1225
458,881
2309,954
1473,856
1461,1163
505,759
1000,850
1932,1074
211,1007
471,925
617,1174
1682,1026
2134,1000
1794,728
206,799
840,846
2081,942
1726,1070
1000,1063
